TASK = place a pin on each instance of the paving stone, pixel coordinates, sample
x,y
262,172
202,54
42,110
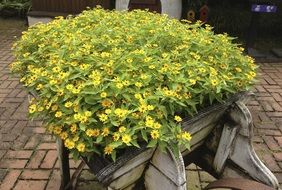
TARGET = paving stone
x,y
30,185
90,185
15,164
206,177
36,159
3,173
24,154
35,174
50,159
10,180
193,180
87,175
54,182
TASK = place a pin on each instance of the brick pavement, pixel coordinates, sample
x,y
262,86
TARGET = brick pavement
x,y
28,156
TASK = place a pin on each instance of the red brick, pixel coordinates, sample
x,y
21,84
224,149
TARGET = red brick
x,y
54,182
266,106
18,154
270,162
36,159
20,141
269,80
274,114
39,130
269,132
277,97
275,90
13,84
18,164
10,179
263,117
2,153
5,84
271,143
32,143
30,185
265,125
278,156
260,88
266,98
35,174
272,87
47,146
50,159
279,140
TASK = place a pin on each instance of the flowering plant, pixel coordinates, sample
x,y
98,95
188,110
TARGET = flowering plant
x,y
106,80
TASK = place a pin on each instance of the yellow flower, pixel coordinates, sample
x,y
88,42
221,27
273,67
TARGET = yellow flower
x,y
68,104
89,132
142,108
103,95
186,136
88,113
214,82
119,85
108,111
177,118
138,84
108,150
138,96
122,129
253,74
239,70
105,131
116,136
155,134
96,132
39,87
73,128
69,144
120,112
54,107
103,117
126,138
57,130
80,147
150,107
64,135
149,122
157,125
58,114
32,108
192,81
106,103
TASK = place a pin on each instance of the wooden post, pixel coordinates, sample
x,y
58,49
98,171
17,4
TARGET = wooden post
x,y
63,155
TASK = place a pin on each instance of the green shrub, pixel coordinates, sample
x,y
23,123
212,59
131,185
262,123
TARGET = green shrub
x,y
106,80
11,7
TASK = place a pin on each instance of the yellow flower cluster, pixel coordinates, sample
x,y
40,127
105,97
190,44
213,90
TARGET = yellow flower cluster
x,y
104,89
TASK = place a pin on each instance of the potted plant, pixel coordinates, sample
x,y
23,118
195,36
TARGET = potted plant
x,y
116,85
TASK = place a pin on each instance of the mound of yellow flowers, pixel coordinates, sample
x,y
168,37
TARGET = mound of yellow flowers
x,y
105,80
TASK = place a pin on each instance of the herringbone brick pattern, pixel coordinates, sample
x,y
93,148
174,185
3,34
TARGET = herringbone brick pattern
x,y
28,155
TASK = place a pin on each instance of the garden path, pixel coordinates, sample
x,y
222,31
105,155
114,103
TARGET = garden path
x,y
28,155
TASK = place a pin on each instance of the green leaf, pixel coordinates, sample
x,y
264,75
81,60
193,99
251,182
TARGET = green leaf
x,y
152,143
91,100
99,139
144,135
134,143
114,155
116,144
82,126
